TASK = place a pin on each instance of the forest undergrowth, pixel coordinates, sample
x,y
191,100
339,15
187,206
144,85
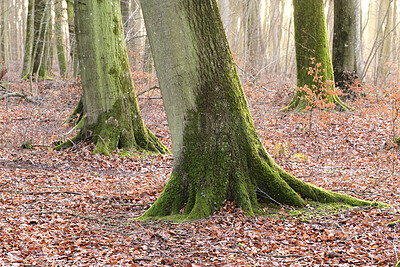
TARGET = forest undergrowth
x,y
73,208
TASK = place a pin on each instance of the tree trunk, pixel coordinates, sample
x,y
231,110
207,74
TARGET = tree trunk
x,y
218,155
61,40
312,49
112,118
27,63
72,39
41,24
251,25
347,42
385,50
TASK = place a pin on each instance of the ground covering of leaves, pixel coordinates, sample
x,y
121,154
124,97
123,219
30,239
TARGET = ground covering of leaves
x,y
72,208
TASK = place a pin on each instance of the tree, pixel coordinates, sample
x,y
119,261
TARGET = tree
x,y
28,40
61,34
72,40
347,42
251,26
312,48
218,155
41,24
112,117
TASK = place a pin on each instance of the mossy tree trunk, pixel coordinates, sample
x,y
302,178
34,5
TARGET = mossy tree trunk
x,y
218,155
112,117
26,65
312,48
347,42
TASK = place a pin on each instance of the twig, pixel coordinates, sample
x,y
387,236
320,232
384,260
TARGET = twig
x,y
265,194
3,184
39,193
74,214
153,97
115,231
131,205
142,259
253,77
147,90
288,256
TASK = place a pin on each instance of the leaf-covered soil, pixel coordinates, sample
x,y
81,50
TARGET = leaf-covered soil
x,y
72,208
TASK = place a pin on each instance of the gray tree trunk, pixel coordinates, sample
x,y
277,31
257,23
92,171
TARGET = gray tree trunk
x,y
27,62
61,40
346,55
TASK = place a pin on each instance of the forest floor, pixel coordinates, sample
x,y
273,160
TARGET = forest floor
x,y
73,208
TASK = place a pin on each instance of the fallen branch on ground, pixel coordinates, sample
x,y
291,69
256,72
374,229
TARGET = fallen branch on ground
x,y
7,93
75,215
40,193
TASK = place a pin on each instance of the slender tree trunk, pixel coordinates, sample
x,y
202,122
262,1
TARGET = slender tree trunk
x,y
3,32
217,152
125,12
384,52
27,63
50,37
251,25
312,50
109,102
41,23
347,42
61,42
72,39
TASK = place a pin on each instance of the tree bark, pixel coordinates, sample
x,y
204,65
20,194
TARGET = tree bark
x,y
72,39
347,42
40,37
27,62
112,117
218,155
61,40
312,48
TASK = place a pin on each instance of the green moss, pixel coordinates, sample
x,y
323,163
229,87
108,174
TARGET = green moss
x,y
393,224
77,114
311,211
26,145
129,154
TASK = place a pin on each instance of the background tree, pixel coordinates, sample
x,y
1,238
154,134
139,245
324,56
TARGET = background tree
x,y
217,152
26,65
72,40
346,55
61,31
41,42
39,52
112,117
312,49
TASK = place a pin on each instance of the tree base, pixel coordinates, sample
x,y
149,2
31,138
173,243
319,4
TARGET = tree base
x,y
299,105
181,201
110,133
